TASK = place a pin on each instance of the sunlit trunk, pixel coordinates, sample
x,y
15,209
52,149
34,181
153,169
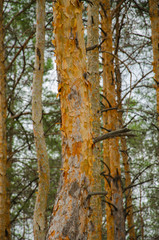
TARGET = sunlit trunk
x,y
71,213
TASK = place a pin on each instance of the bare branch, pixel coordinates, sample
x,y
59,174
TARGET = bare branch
x,y
116,133
96,194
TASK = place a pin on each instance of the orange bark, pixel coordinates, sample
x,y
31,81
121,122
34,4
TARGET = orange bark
x,y
115,213
42,158
93,77
106,152
4,211
71,211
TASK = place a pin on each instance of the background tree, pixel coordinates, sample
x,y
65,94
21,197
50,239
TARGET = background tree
x,y
4,211
19,41
115,212
42,158
93,78
124,150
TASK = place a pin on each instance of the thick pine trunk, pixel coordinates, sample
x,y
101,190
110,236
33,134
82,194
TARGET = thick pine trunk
x,y
43,164
93,77
4,210
71,211
115,227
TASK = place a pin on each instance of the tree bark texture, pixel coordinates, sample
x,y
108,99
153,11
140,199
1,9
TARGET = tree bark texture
x,y
71,213
124,152
93,77
4,211
42,158
106,151
115,212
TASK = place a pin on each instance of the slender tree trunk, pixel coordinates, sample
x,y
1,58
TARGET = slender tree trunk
x,y
106,143
43,164
124,153
71,213
125,157
116,198
154,16
4,211
93,77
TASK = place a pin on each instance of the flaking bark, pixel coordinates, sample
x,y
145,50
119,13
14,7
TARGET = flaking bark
x,y
71,213
39,222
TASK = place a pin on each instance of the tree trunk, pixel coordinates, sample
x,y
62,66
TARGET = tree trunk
x,y
154,16
93,77
124,153
106,152
4,211
71,213
116,228
43,164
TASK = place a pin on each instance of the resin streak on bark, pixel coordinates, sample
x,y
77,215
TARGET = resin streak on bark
x,y
4,211
93,77
71,211
43,164
115,216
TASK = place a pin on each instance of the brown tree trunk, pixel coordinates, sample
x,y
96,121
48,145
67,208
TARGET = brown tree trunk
x,y
43,164
116,228
71,211
93,77
124,153
106,152
4,211
154,16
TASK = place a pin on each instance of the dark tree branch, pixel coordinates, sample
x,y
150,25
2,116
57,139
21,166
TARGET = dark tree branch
x,y
111,204
109,109
96,194
106,100
116,133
